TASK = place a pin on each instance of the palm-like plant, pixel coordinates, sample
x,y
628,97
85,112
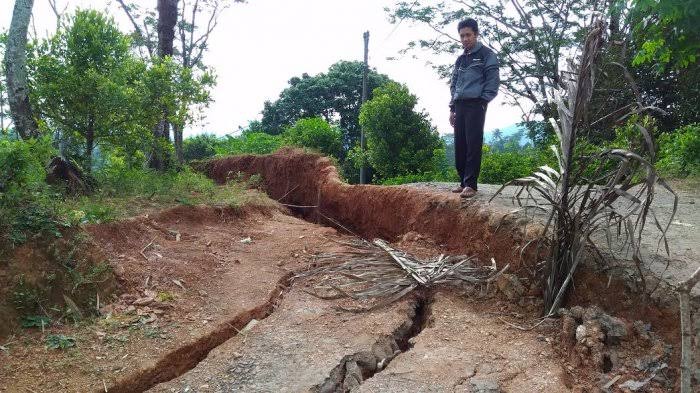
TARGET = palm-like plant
x,y
588,194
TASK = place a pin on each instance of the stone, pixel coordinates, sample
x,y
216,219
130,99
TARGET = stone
x,y
510,286
484,385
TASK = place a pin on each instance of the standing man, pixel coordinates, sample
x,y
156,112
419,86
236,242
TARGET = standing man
x,y
474,83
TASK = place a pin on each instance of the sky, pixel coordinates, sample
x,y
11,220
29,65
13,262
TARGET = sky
x,y
259,45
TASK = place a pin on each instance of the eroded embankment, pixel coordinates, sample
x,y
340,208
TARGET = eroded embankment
x,y
297,178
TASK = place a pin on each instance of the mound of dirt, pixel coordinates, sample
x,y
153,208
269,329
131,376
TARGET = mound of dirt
x,y
297,178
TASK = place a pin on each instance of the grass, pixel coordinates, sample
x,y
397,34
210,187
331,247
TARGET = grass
x,y
137,192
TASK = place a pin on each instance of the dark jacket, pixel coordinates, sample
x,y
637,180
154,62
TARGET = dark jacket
x,y
475,75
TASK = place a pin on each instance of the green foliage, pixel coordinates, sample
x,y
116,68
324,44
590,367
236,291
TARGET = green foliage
x,y
679,152
400,141
26,297
498,167
249,143
88,86
35,321
59,341
27,204
200,147
669,32
315,133
336,94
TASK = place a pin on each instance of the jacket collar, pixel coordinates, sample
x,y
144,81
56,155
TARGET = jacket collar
x,y
475,49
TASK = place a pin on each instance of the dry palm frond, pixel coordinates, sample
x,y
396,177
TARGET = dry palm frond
x,y
379,274
588,194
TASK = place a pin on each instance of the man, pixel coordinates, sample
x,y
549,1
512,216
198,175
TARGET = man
x,y
474,83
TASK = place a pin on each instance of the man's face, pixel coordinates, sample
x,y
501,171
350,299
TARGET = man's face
x,y
468,37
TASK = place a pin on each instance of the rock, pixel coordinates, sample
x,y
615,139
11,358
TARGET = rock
x,y
615,328
353,375
642,330
510,286
484,385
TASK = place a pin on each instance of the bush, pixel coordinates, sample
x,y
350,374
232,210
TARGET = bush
x,y
249,143
199,147
315,133
679,152
502,167
28,205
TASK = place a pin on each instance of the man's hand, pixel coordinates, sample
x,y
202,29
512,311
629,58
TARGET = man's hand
x,y
452,119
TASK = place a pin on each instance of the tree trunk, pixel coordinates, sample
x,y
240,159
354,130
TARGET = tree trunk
x,y
16,71
89,145
177,135
167,19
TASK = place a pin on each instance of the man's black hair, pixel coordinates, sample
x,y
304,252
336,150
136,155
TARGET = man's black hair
x,y
470,23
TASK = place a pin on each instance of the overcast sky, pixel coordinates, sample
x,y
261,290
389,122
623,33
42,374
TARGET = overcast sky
x,y
257,47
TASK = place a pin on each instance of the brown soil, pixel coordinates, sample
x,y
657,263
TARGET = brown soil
x,y
191,279
226,283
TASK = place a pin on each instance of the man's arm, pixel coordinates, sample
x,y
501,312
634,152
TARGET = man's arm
x,y
453,83
491,78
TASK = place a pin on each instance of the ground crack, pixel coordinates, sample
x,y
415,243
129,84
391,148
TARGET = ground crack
x,y
185,358
358,367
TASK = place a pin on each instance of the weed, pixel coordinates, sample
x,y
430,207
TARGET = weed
x,y
59,341
38,321
165,296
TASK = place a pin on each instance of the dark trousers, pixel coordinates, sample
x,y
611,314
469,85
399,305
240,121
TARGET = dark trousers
x,y
469,138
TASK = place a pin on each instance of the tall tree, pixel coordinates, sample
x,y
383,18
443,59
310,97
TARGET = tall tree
x,y
16,71
335,95
400,140
167,18
90,88
196,20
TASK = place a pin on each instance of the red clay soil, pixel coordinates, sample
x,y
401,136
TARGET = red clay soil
x,y
294,177
187,284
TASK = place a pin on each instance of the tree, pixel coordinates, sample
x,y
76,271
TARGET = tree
x,y
89,87
167,18
529,37
669,30
315,133
335,96
190,44
16,71
400,141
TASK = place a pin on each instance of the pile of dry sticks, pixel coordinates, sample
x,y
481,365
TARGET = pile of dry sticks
x,y
375,274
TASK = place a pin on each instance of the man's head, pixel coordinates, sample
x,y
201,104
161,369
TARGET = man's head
x,y
468,32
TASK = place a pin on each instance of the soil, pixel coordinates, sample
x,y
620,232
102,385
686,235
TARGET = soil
x,y
207,301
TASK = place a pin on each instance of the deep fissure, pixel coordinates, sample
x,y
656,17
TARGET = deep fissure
x,y
187,357
354,369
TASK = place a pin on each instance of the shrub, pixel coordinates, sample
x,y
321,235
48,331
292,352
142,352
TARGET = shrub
x,y
315,133
502,167
679,152
28,205
249,143
200,146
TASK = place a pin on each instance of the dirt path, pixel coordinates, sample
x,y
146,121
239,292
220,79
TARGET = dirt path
x,y
465,348
208,303
201,289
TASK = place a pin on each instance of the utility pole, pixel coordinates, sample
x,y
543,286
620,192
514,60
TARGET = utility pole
x,y
363,170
